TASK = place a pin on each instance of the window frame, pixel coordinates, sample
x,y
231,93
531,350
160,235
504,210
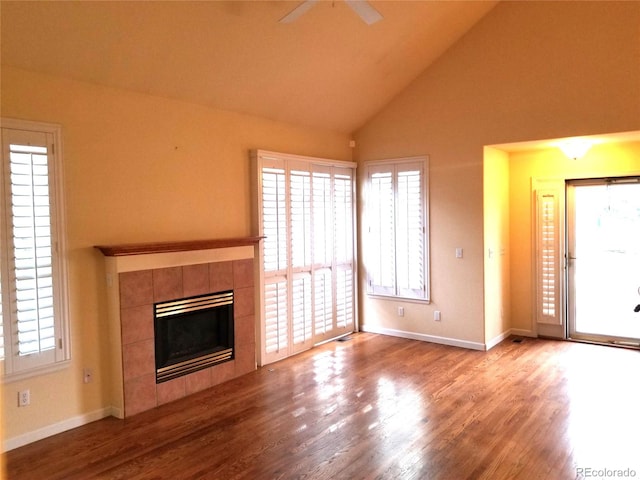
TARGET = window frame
x,y
394,167
16,367
329,252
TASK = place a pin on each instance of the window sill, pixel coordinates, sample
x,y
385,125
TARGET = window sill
x,y
396,298
34,372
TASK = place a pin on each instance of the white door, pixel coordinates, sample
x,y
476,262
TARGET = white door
x,y
603,220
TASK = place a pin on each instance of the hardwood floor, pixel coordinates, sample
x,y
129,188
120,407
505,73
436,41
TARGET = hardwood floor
x,y
377,407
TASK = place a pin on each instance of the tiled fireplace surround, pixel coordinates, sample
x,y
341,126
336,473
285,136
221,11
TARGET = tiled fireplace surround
x,y
212,270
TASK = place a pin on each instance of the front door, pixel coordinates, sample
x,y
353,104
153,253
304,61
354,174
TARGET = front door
x,y
603,258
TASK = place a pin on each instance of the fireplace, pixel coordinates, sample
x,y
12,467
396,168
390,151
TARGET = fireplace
x,y
192,334
140,276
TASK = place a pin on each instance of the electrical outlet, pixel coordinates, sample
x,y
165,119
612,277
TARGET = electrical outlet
x,y
437,316
87,375
24,398
401,311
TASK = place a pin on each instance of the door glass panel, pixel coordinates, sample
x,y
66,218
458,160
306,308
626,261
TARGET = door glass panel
x,y
605,263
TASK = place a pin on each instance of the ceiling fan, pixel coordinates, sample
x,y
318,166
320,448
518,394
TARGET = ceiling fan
x,y
365,11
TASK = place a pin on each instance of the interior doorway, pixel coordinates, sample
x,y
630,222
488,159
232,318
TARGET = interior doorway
x,y
603,260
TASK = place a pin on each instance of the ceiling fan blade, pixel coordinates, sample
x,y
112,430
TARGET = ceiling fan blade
x,y
367,13
297,12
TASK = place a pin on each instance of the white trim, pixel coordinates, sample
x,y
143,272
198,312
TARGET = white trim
x,y
417,158
394,166
54,429
453,342
134,263
497,339
267,155
523,333
34,372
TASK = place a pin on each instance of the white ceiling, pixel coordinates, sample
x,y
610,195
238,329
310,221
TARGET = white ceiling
x,y
327,70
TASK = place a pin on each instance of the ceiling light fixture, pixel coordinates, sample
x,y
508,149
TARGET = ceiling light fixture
x,y
365,11
575,148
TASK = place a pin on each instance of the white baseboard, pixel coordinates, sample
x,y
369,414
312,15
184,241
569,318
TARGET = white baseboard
x,y
117,412
523,333
496,340
512,331
454,342
34,436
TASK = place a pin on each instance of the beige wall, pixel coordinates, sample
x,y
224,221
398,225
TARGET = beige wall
x,y
137,168
497,252
526,71
600,161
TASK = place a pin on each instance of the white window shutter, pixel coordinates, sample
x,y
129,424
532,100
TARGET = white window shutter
x,y
396,216
33,266
301,312
300,218
306,214
344,296
276,318
343,218
274,218
322,218
32,262
381,236
323,303
343,240
410,232
548,258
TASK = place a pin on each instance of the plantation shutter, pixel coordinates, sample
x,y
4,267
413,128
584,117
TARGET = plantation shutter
x,y
381,242
306,214
410,232
274,214
300,219
396,216
322,252
31,277
301,311
31,221
322,218
274,219
548,258
301,251
343,241
276,328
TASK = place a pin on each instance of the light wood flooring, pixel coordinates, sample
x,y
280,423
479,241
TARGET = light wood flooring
x,y
377,407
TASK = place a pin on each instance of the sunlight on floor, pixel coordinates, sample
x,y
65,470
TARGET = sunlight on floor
x,y
603,427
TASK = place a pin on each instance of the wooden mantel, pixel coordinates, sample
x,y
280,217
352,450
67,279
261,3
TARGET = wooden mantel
x,y
167,247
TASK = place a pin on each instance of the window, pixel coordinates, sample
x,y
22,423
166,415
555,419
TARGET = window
x,y
396,248
548,262
306,214
32,266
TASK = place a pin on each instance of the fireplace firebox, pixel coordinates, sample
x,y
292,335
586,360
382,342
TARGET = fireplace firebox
x,y
192,334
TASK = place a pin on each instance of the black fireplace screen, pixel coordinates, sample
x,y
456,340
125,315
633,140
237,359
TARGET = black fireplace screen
x,y
192,334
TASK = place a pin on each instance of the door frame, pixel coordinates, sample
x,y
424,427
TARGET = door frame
x,y
560,328
571,332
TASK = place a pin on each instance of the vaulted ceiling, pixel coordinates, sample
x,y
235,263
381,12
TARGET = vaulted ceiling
x,y
328,69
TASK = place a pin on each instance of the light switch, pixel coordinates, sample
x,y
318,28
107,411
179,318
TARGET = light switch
x,y
458,252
